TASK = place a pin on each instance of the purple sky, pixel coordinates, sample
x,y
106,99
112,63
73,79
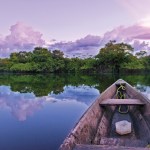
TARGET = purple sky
x,y
78,27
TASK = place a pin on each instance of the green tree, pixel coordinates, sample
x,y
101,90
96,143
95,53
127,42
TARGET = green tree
x,y
88,65
14,57
5,64
113,55
41,54
133,64
23,67
58,61
21,57
74,65
57,54
146,62
141,53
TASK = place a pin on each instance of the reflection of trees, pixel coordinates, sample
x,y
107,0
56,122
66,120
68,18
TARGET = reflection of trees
x,y
141,88
143,79
42,85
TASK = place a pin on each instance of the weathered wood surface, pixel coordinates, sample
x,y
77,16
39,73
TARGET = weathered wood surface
x,y
141,126
123,142
102,129
122,102
87,127
106,147
147,119
134,93
85,130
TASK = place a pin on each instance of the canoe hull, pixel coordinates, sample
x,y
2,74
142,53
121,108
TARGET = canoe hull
x,y
95,122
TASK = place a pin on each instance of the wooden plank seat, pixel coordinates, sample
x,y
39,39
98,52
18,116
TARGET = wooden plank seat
x,y
122,102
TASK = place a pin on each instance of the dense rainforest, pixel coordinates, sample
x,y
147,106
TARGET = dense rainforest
x,y
114,58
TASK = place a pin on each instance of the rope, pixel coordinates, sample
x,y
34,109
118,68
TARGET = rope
x,y
120,95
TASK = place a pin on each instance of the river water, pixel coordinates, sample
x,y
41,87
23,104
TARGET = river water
x,y
38,111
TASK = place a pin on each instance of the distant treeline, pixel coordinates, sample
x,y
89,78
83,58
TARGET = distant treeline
x,y
112,58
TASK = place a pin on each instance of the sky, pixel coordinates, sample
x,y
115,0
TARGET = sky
x,y
77,27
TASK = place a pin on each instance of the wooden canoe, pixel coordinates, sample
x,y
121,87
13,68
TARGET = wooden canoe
x,y
96,130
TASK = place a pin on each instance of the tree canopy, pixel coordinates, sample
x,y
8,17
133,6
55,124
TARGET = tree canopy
x,y
111,58
113,55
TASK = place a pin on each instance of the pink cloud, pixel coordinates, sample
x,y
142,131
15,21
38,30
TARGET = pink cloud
x,y
138,46
134,35
126,33
21,107
84,46
21,37
145,36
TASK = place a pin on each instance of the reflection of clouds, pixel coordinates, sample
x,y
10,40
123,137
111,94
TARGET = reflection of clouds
x,y
84,94
25,108
144,90
147,92
22,105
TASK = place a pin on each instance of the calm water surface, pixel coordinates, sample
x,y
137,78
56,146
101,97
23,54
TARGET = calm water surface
x,y
38,111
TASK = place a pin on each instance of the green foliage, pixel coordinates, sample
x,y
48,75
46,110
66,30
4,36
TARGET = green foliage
x,y
88,65
57,54
41,54
22,67
141,54
114,55
74,65
134,63
146,62
42,85
5,64
111,58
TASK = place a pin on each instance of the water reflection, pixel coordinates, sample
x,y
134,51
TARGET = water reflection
x,y
22,105
23,95
40,110
143,89
31,121
42,85
82,93
140,82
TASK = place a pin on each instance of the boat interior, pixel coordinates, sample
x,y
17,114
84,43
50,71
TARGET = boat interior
x,y
96,128
114,110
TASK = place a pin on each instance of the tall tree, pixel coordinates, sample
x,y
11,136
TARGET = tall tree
x,y
57,54
113,55
41,54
